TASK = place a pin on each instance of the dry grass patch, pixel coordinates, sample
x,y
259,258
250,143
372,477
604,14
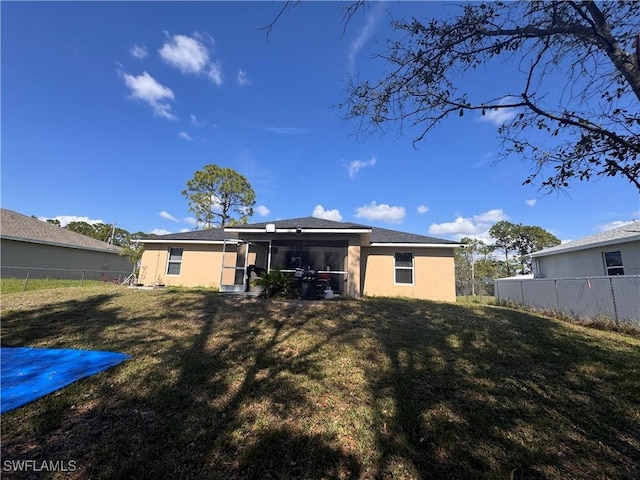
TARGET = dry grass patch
x,y
379,388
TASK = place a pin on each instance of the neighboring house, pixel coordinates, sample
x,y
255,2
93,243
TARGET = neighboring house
x,y
47,250
614,252
355,259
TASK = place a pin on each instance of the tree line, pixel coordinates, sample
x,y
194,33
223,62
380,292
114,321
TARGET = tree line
x,y
477,264
110,234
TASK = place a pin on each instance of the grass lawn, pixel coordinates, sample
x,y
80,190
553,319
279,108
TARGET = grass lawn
x,y
380,388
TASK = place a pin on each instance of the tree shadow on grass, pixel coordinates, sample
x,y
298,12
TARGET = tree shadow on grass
x,y
493,393
212,383
381,388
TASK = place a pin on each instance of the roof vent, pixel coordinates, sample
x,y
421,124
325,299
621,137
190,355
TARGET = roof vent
x,y
271,227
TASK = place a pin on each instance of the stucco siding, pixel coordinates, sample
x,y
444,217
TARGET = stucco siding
x,y
433,278
51,261
588,262
200,266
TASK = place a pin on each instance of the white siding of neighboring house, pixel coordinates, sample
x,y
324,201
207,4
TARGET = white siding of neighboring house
x,y
588,262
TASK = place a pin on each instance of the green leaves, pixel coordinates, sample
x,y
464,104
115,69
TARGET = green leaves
x,y
219,196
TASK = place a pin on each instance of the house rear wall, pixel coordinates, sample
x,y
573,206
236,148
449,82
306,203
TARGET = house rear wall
x,y
434,273
43,259
201,265
588,262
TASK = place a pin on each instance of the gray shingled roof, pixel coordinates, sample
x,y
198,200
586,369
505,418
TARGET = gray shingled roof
x,y
208,235
15,226
378,235
625,233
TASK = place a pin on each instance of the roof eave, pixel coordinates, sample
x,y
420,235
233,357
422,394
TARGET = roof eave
x,y
416,245
115,249
299,230
192,242
603,243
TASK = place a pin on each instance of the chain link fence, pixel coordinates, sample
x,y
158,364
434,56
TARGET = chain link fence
x,y
614,297
36,276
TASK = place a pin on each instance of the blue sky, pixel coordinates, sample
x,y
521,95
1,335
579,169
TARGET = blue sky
x,y
109,108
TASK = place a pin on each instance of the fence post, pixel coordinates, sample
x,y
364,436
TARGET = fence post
x,y
522,291
26,281
82,279
613,299
555,288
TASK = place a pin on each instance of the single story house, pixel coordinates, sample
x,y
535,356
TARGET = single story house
x,y
614,252
45,250
354,259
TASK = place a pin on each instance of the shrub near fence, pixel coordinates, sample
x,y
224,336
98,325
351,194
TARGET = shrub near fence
x,y
35,276
615,297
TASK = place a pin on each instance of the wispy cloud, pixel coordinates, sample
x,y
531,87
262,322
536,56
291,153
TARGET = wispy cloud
x,y
320,212
364,34
287,130
262,210
476,226
185,136
191,56
355,166
193,120
532,202
423,209
382,213
145,88
138,51
159,231
168,216
243,79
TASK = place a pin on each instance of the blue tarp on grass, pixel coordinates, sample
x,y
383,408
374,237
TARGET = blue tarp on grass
x,y
30,373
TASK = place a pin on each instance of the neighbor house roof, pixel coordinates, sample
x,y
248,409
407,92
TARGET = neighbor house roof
x,y
379,236
15,226
626,233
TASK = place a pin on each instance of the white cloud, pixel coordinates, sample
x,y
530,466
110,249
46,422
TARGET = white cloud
x,y
320,212
67,219
185,136
144,87
531,203
195,122
499,116
382,212
262,210
167,216
159,231
423,209
184,230
243,79
476,226
138,51
190,221
611,225
191,56
356,165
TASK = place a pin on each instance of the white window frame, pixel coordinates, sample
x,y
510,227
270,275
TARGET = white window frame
x,y
411,268
173,262
608,268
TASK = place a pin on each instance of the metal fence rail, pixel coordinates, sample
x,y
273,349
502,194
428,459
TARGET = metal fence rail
x,y
29,273
615,297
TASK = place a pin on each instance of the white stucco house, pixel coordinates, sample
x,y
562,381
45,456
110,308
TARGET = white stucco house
x,y
614,252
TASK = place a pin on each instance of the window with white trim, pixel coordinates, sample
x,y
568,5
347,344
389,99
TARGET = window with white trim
x,y
613,263
403,268
175,261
